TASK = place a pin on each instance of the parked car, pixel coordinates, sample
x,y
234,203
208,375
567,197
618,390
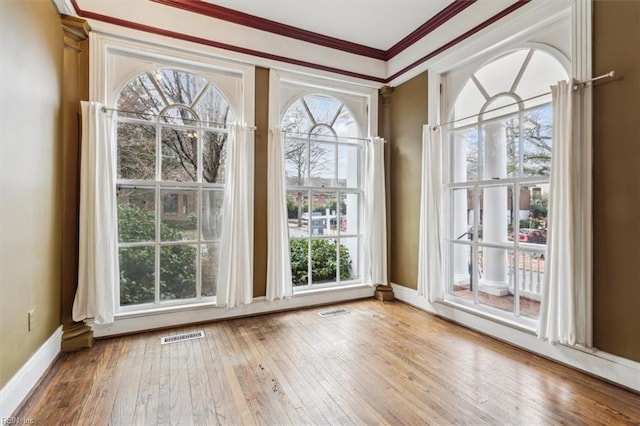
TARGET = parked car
x,y
535,236
314,215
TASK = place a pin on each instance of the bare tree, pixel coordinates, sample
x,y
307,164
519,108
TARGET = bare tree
x,y
302,154
532,149
532,152
180,102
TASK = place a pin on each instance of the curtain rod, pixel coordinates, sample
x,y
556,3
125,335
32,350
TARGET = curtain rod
x,y
297,135
576,86
105,109
492,110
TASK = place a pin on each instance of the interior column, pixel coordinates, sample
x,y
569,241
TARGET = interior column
x,y
75,88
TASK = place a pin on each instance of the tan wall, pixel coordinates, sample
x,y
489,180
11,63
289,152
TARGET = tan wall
x,y
616,205
616,179
408,114
30,85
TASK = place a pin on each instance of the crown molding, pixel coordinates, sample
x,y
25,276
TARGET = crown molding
x,y
515,6
245,19
207,9
219,12
441,18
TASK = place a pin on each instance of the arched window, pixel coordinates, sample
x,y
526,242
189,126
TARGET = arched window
x,y
172,132
500,139
323,166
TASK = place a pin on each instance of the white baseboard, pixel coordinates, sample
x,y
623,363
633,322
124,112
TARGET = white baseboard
x,y
135,322
612,368
23,382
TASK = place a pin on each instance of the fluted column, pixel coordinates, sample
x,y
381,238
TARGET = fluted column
x,y
385,292
75,88
494,217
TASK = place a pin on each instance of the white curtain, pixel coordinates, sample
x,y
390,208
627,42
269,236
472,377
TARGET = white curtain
x,y
279,284
98,268
563,316
430,238
235,273
375,214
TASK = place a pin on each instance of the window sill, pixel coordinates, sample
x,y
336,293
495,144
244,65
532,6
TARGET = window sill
x,y
203,312
529,327
301,291
165,309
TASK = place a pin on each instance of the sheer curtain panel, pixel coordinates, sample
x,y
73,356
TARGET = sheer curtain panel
x,y
375,215
235,275
279,284
98,268
430,238
562,318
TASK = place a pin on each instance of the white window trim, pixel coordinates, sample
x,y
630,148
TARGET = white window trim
x,y
106,83
305,84
515,314
581,52
310,84
103,46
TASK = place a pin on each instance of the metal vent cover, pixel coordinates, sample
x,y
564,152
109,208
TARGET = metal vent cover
x,y
182,337
339,311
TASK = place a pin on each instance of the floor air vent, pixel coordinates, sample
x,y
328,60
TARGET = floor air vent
x,y
182,337
333,312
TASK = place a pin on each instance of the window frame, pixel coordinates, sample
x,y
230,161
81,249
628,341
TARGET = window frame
x,y
466,58
162,188
337,191
115,61
478,184
285,89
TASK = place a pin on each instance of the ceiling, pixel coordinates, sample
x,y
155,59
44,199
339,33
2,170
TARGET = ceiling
x,y
374,42
375,23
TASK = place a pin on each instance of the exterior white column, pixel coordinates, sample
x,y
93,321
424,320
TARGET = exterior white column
x,y
495,278
460,209
352,200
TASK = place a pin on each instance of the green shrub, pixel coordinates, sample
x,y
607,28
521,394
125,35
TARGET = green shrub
x,y
323,261
188,224
137,264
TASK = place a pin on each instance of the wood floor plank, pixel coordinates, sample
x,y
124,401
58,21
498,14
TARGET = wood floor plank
x,y
123,411
202,400
299,379
105,386
380,363
271,372
272,396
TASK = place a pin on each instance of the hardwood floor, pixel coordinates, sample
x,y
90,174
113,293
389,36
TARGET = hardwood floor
x,y
380,363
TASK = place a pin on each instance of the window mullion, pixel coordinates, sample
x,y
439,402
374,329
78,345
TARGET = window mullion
x,y
158,210
158,247
475,267
516,249
527,59
309,240
335,117
154,81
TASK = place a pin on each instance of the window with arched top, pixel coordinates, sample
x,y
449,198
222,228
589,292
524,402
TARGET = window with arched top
x,y
499,148
323,152
172,135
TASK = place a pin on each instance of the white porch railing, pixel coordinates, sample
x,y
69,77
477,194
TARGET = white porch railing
x,y
527,270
